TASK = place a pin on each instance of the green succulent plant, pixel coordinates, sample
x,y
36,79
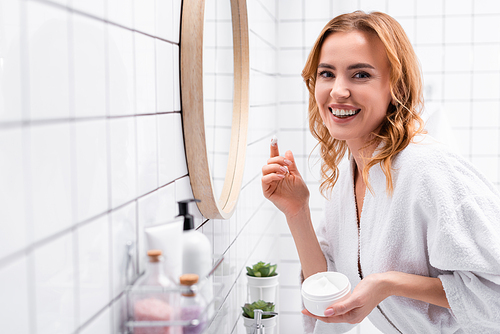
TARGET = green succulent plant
x,y
260,304
261,269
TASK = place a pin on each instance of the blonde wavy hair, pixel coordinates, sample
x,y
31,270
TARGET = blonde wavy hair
x,y
402,120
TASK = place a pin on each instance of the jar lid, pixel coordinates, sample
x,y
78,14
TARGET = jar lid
x,y
154,255
188,279
339,280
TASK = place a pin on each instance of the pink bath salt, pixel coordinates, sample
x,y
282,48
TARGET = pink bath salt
x,y
151,309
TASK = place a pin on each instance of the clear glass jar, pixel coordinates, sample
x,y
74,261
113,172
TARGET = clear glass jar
x,y
150,302
193,305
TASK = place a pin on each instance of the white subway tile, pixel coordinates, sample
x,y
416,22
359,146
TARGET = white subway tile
x,y
397,8
290,323
426,7
312,31
123,160
292,89
290,9
291,34
433,87
145,74
486,114
373,5
91,169
123,231
293,140
147,154
101,324
485,142
144,16
291,61
14,302
341,7
458,7
120,11
408,25
148,207
91,7
486,29
457,86
486,86
458,113
486,7
50,168
458,29
166,148
290,300
47,28
180,162
429,30
458,58
121,71
164,77
319,9
164,27
177,82
55,286
176,20
93,267
289,274
168,208
12,192
486,57
430,57
89,66
10,61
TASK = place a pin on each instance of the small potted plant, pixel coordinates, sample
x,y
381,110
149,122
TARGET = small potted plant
x,y
262,281
269,321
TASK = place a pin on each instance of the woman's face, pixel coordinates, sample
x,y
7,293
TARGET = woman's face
x,y
352,85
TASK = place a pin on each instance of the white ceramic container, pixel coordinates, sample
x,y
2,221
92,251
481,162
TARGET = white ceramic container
x,y
317,301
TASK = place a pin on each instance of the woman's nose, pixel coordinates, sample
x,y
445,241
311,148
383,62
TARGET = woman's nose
x,y
340,89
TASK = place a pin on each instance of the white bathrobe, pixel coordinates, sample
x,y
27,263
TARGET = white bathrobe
x,y
443,220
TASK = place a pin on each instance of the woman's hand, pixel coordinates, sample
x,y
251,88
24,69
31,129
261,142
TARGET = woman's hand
x,y
365,297
282,183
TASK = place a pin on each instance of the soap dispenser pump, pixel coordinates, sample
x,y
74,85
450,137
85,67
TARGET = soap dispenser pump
x,y
196,251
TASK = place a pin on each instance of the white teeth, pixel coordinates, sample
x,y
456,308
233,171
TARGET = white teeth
x,y
342,112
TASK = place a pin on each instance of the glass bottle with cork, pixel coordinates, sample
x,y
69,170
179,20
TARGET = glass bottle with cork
x,y
193,305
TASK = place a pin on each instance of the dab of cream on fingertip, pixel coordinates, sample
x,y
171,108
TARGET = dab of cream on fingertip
x,y
274,140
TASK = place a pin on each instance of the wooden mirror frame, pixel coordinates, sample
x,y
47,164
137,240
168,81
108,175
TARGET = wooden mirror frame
x,y
191,74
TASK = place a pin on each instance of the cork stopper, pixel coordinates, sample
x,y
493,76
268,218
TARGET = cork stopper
x,y
154,255
188,279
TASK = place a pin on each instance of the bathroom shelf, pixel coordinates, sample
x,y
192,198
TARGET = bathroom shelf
x,y
133,292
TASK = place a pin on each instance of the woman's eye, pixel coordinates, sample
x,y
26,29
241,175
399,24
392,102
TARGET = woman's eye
x,y
326,74
362,75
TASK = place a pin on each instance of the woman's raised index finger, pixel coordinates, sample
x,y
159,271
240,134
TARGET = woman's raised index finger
x,y
274,147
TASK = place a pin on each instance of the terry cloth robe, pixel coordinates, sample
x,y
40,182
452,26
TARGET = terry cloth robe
x,y
443,220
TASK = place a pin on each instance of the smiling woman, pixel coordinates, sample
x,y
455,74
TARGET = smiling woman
x,y
419,247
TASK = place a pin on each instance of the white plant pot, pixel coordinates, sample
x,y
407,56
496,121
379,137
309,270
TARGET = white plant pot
x,y
263,288
269,324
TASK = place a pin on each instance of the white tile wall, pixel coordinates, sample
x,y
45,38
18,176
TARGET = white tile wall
x,y
92,150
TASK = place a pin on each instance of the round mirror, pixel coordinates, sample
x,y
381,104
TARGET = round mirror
x,y
214,89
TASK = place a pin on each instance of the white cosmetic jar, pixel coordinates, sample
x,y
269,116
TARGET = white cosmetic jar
x,y
317,301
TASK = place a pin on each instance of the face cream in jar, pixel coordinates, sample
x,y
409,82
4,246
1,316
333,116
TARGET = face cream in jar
x,y
324,289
